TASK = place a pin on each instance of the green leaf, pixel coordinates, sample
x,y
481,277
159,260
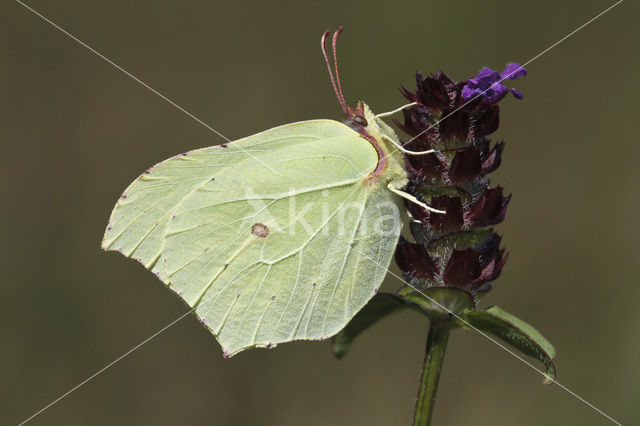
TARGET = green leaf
x,y
514,332
379,307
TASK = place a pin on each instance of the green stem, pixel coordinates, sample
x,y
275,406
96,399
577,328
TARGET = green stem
x,y
434,355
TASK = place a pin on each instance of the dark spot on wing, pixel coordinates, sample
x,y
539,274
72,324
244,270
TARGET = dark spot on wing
x,y
223,145
260,230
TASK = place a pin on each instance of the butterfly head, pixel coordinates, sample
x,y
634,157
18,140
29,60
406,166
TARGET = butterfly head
x,y
357,117
364,121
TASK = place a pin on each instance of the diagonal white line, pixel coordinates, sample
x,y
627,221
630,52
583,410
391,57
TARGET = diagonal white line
x,y
106,366
493,340
145,85
394,149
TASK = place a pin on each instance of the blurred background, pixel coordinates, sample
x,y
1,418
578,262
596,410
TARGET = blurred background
x,y
75,131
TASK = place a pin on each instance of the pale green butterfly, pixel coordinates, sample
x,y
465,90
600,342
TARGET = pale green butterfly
x,y
216,225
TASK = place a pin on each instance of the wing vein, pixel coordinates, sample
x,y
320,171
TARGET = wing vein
x,y
295,287
356,228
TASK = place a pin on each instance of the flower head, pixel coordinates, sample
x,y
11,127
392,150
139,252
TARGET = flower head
x,y
458,250
488,83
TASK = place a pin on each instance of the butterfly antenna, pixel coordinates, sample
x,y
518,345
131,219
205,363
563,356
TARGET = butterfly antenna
x,y
336,87
334,46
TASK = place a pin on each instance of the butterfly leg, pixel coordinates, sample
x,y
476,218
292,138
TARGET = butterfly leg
x,y
400,148
387,114
413,199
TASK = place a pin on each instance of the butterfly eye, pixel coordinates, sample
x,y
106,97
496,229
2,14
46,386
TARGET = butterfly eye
x,y
361,120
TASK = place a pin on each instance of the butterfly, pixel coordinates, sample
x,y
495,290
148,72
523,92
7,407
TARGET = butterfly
x,y
280,236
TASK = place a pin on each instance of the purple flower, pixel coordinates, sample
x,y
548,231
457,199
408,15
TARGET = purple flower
x,y
488,83
458,249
